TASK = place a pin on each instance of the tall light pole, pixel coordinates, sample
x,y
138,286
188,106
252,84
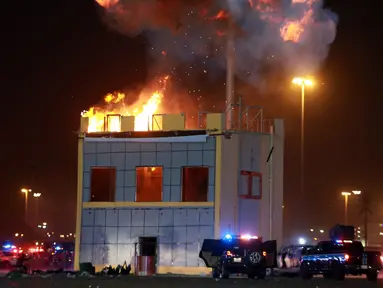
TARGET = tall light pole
x,y
37,196
303,83
26,191
346,195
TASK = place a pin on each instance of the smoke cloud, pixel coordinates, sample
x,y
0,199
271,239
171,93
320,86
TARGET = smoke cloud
x,y
295,33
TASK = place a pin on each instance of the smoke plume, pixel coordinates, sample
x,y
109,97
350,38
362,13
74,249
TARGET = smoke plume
x,y
295,33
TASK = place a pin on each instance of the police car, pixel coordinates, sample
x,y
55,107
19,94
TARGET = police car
x,y
240,254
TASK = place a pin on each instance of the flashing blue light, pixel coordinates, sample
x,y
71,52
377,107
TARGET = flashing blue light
x,y
58,248
7,246
228,237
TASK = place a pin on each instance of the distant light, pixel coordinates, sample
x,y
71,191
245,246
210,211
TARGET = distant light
x,y
358,231
7,246
321,231
45,223
302,241
357,192
312,230
346,193
315,238
17,234
381,233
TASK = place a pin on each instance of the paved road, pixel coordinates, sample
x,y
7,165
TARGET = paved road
x,y
185,282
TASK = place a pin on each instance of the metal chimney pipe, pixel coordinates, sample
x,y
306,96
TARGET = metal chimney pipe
x,y
230,76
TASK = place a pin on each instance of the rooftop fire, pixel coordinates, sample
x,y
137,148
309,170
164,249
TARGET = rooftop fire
x,y
108,118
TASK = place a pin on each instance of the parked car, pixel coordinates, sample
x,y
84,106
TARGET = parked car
x,y
8,258
289,258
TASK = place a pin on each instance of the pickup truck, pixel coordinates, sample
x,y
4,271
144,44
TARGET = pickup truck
x,y
336,259
240,254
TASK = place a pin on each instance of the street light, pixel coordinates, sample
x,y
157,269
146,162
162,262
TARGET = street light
x,y
346,195
303,82
26,192
36,195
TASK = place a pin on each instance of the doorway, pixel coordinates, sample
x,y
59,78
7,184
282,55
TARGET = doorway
x,y
148,246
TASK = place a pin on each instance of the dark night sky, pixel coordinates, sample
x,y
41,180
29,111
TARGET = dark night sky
x,y
58,58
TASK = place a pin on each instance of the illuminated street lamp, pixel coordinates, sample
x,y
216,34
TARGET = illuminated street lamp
x,y
303,83
346,195
26,191
36,195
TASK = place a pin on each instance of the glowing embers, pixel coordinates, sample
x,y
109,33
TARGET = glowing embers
x,y
149,184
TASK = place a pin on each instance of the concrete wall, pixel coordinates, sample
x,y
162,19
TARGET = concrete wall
x,y
126,156
241,152
228,204
249,210
249,152
108,235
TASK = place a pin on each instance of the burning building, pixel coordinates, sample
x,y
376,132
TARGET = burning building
x,y
147,186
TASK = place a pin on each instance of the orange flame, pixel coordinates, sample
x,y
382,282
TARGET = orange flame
x,y
109,116
107,3
292,30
